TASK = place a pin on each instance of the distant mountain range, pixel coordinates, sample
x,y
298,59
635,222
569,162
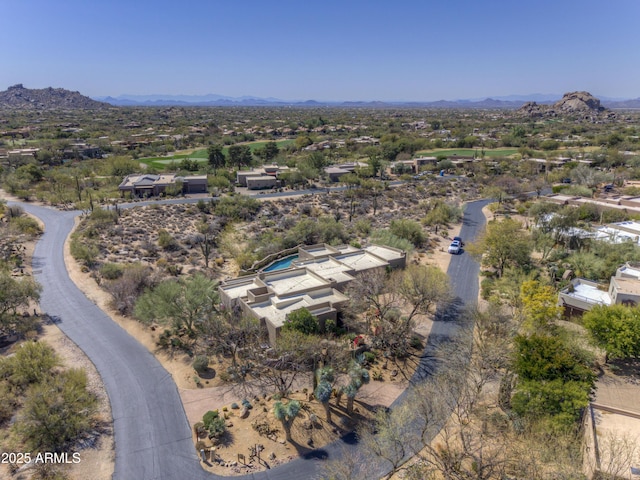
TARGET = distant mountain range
x,y
19,97
501,102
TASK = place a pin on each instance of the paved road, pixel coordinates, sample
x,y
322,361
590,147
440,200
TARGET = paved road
x,y
152,435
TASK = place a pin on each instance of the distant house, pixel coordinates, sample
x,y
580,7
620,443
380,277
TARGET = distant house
x,y
414,165
147,184
316,280
82,150
260,182
334,172
258,178
582,295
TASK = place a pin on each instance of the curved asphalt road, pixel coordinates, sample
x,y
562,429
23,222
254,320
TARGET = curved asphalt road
x,y
152,436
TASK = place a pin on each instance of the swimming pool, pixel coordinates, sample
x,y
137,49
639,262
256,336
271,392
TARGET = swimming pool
x,y
281,264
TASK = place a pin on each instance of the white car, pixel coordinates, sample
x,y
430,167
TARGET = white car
x,y
455,247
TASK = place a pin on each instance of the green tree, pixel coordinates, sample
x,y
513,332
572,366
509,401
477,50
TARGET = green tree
x,y
286,414
351,180
616,329
303,321
441,213
270,151
409,230
216,156
539,306
422,287
559,400
544,357
375,163
373,189
303,141
502,244
185,303
239,156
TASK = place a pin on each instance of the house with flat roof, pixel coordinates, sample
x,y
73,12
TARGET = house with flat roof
x,y
315,280
148,184
334,172
260,182
582,295
257,178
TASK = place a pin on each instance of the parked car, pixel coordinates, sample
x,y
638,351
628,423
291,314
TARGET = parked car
x,y
459,240
455,247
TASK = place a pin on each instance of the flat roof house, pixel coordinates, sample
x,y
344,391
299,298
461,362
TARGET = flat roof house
x,y
316,280
148,185
582,295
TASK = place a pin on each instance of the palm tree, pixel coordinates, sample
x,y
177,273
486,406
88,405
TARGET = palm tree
x,y
359,376
324,389
287,413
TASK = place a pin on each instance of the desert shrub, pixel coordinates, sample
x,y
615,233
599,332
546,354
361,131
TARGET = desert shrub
x,y
385,237
166,240
310,231
363,227
245,260
9,403
84,251
330,326
238,207
209,417
111,271
369,357
578,191
126,289
32,363
26,225
57,411
100,216
409,230
173,270
486,287
441,213
200,364
612,216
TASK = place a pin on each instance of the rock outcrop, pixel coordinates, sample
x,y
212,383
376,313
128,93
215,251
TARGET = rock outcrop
x,y
18,97
579,104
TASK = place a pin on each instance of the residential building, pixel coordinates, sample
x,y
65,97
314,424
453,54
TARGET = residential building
x,y
265,177
582,295
334,172
316,280
147,184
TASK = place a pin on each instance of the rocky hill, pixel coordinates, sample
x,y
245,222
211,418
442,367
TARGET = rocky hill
x,y
18,97
581,104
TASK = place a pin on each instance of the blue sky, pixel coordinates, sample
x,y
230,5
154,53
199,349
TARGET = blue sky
x,y
330,50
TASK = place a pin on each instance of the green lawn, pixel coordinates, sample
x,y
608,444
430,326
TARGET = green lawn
x,y
200,155
469,152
